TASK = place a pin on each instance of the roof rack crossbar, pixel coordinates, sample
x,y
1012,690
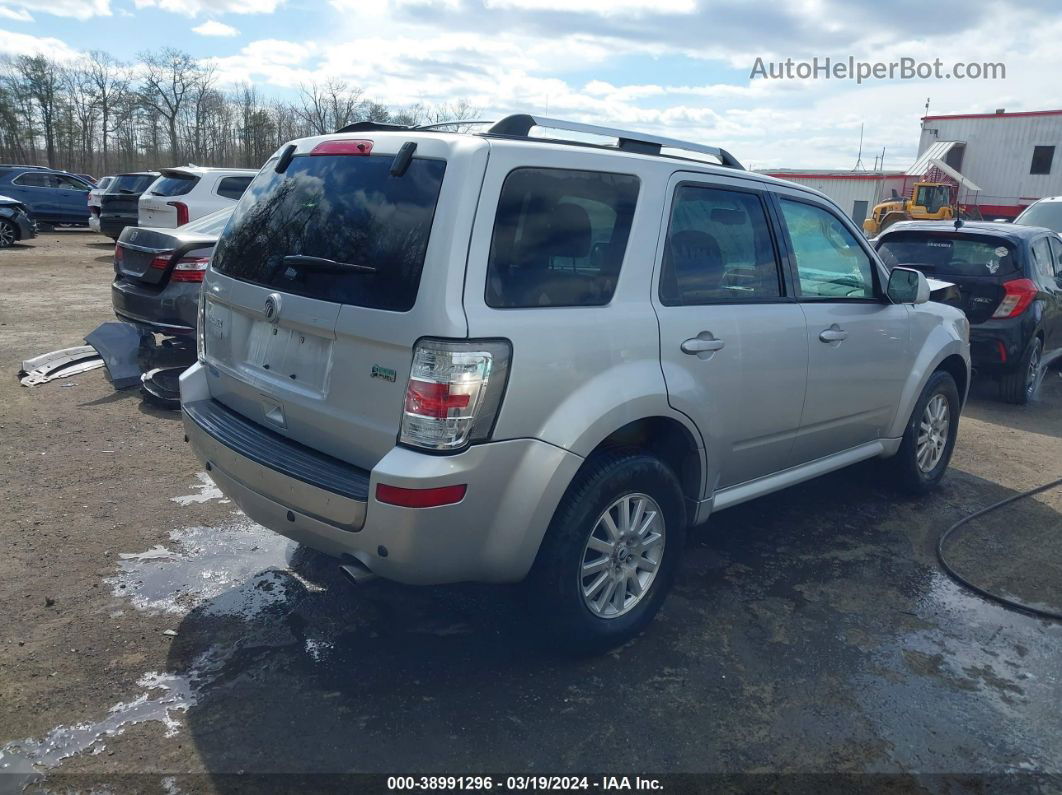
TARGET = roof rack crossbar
x,y
520,124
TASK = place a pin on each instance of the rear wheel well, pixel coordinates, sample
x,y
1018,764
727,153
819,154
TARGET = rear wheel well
x,y
667,439
955,367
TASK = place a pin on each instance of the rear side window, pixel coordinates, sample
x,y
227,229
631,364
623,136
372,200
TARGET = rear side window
x,y
943,254
34,180
336,228
233,187
559,237
829,261
718,249
174,185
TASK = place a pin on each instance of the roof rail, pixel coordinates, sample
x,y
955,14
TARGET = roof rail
x,y
520,124
437,125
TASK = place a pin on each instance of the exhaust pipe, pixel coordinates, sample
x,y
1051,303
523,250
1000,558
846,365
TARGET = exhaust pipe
x,y
357,572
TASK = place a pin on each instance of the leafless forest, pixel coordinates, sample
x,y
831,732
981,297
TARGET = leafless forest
x,y
101,116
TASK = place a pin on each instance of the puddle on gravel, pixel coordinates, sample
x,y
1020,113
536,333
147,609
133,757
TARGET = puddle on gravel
x,y
239,567
24,761
206,491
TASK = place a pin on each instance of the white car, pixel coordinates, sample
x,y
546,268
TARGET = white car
x,y
186,193
94,201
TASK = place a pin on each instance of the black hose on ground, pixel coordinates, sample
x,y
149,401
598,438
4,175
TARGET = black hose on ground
x,y
1011,603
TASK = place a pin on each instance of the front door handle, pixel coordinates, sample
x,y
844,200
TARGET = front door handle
x,y
833,334
702,343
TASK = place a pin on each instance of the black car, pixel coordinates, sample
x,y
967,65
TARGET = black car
x,y
15,222
158,274
119,205
1009,284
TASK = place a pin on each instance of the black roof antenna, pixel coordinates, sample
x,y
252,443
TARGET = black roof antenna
x,y
958,223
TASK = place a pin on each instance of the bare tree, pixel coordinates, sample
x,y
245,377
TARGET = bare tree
x,y
110,86
169,76
42,82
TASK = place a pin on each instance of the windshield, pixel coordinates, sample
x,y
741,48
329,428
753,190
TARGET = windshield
x,y
210,224
1047,214
337,228
948,254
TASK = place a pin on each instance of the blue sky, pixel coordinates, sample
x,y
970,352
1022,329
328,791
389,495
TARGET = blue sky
x,y
675,67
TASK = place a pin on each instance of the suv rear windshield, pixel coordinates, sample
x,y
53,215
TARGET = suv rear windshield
x,y
174,185
131,183
305,231
949,255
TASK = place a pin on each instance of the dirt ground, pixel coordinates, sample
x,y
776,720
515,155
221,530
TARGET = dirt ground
x,y
153,639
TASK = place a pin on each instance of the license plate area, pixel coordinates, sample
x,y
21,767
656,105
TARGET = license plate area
x,y
297,358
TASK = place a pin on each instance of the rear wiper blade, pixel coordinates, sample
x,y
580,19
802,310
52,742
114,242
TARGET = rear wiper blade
x,y
320,263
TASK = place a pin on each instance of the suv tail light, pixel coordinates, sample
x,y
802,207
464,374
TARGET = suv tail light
x,y
189,269
1019,294
454,392
182,212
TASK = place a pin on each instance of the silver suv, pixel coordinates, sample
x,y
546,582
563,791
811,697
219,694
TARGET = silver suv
x,y
443,356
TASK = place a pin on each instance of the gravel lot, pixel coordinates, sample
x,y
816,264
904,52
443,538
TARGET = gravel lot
x,y
150,631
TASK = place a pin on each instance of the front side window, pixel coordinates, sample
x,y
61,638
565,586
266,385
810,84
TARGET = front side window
x,y
69,183
718,249
233,187
559,237
1056,250
830,262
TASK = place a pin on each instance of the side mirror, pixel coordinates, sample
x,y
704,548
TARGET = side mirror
x,y
907,286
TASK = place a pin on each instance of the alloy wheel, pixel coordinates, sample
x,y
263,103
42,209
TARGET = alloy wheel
x,y
622,556
933,433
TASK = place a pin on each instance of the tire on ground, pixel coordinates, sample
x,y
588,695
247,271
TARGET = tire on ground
x,y
909,476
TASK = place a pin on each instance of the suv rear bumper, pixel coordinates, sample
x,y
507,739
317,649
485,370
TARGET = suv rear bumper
x,y
492,535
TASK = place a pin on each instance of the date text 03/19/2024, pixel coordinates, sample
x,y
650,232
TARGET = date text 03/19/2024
x,y
522,783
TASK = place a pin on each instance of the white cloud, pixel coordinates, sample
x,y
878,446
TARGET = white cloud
x,y
78,9
24,44
602,7
214,28
17,14
193,8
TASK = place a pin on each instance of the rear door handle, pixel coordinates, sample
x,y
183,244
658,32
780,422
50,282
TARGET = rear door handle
x,y
699,344
833,334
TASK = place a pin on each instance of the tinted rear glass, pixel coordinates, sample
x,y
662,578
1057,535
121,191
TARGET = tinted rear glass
x,y
173,185
346,209
1047,214
559,237
233,187
950,255
131,183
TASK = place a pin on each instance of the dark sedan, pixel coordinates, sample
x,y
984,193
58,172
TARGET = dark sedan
x,y
1009,284
15,222
159,272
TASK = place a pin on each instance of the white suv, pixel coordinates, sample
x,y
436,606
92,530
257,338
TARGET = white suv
x,y
184,194
444,357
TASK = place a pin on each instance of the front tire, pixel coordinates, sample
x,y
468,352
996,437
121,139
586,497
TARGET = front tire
x,y
1021,386
929,439
610,554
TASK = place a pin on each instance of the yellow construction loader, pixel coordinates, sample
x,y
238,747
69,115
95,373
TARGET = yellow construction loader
x,y
929,201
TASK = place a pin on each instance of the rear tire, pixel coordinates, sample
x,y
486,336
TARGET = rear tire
x,y
637,492
928,442
1021,386
8,234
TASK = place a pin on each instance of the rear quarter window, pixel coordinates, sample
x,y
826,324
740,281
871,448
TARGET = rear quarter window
x,y
174,185
559,237
233,187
